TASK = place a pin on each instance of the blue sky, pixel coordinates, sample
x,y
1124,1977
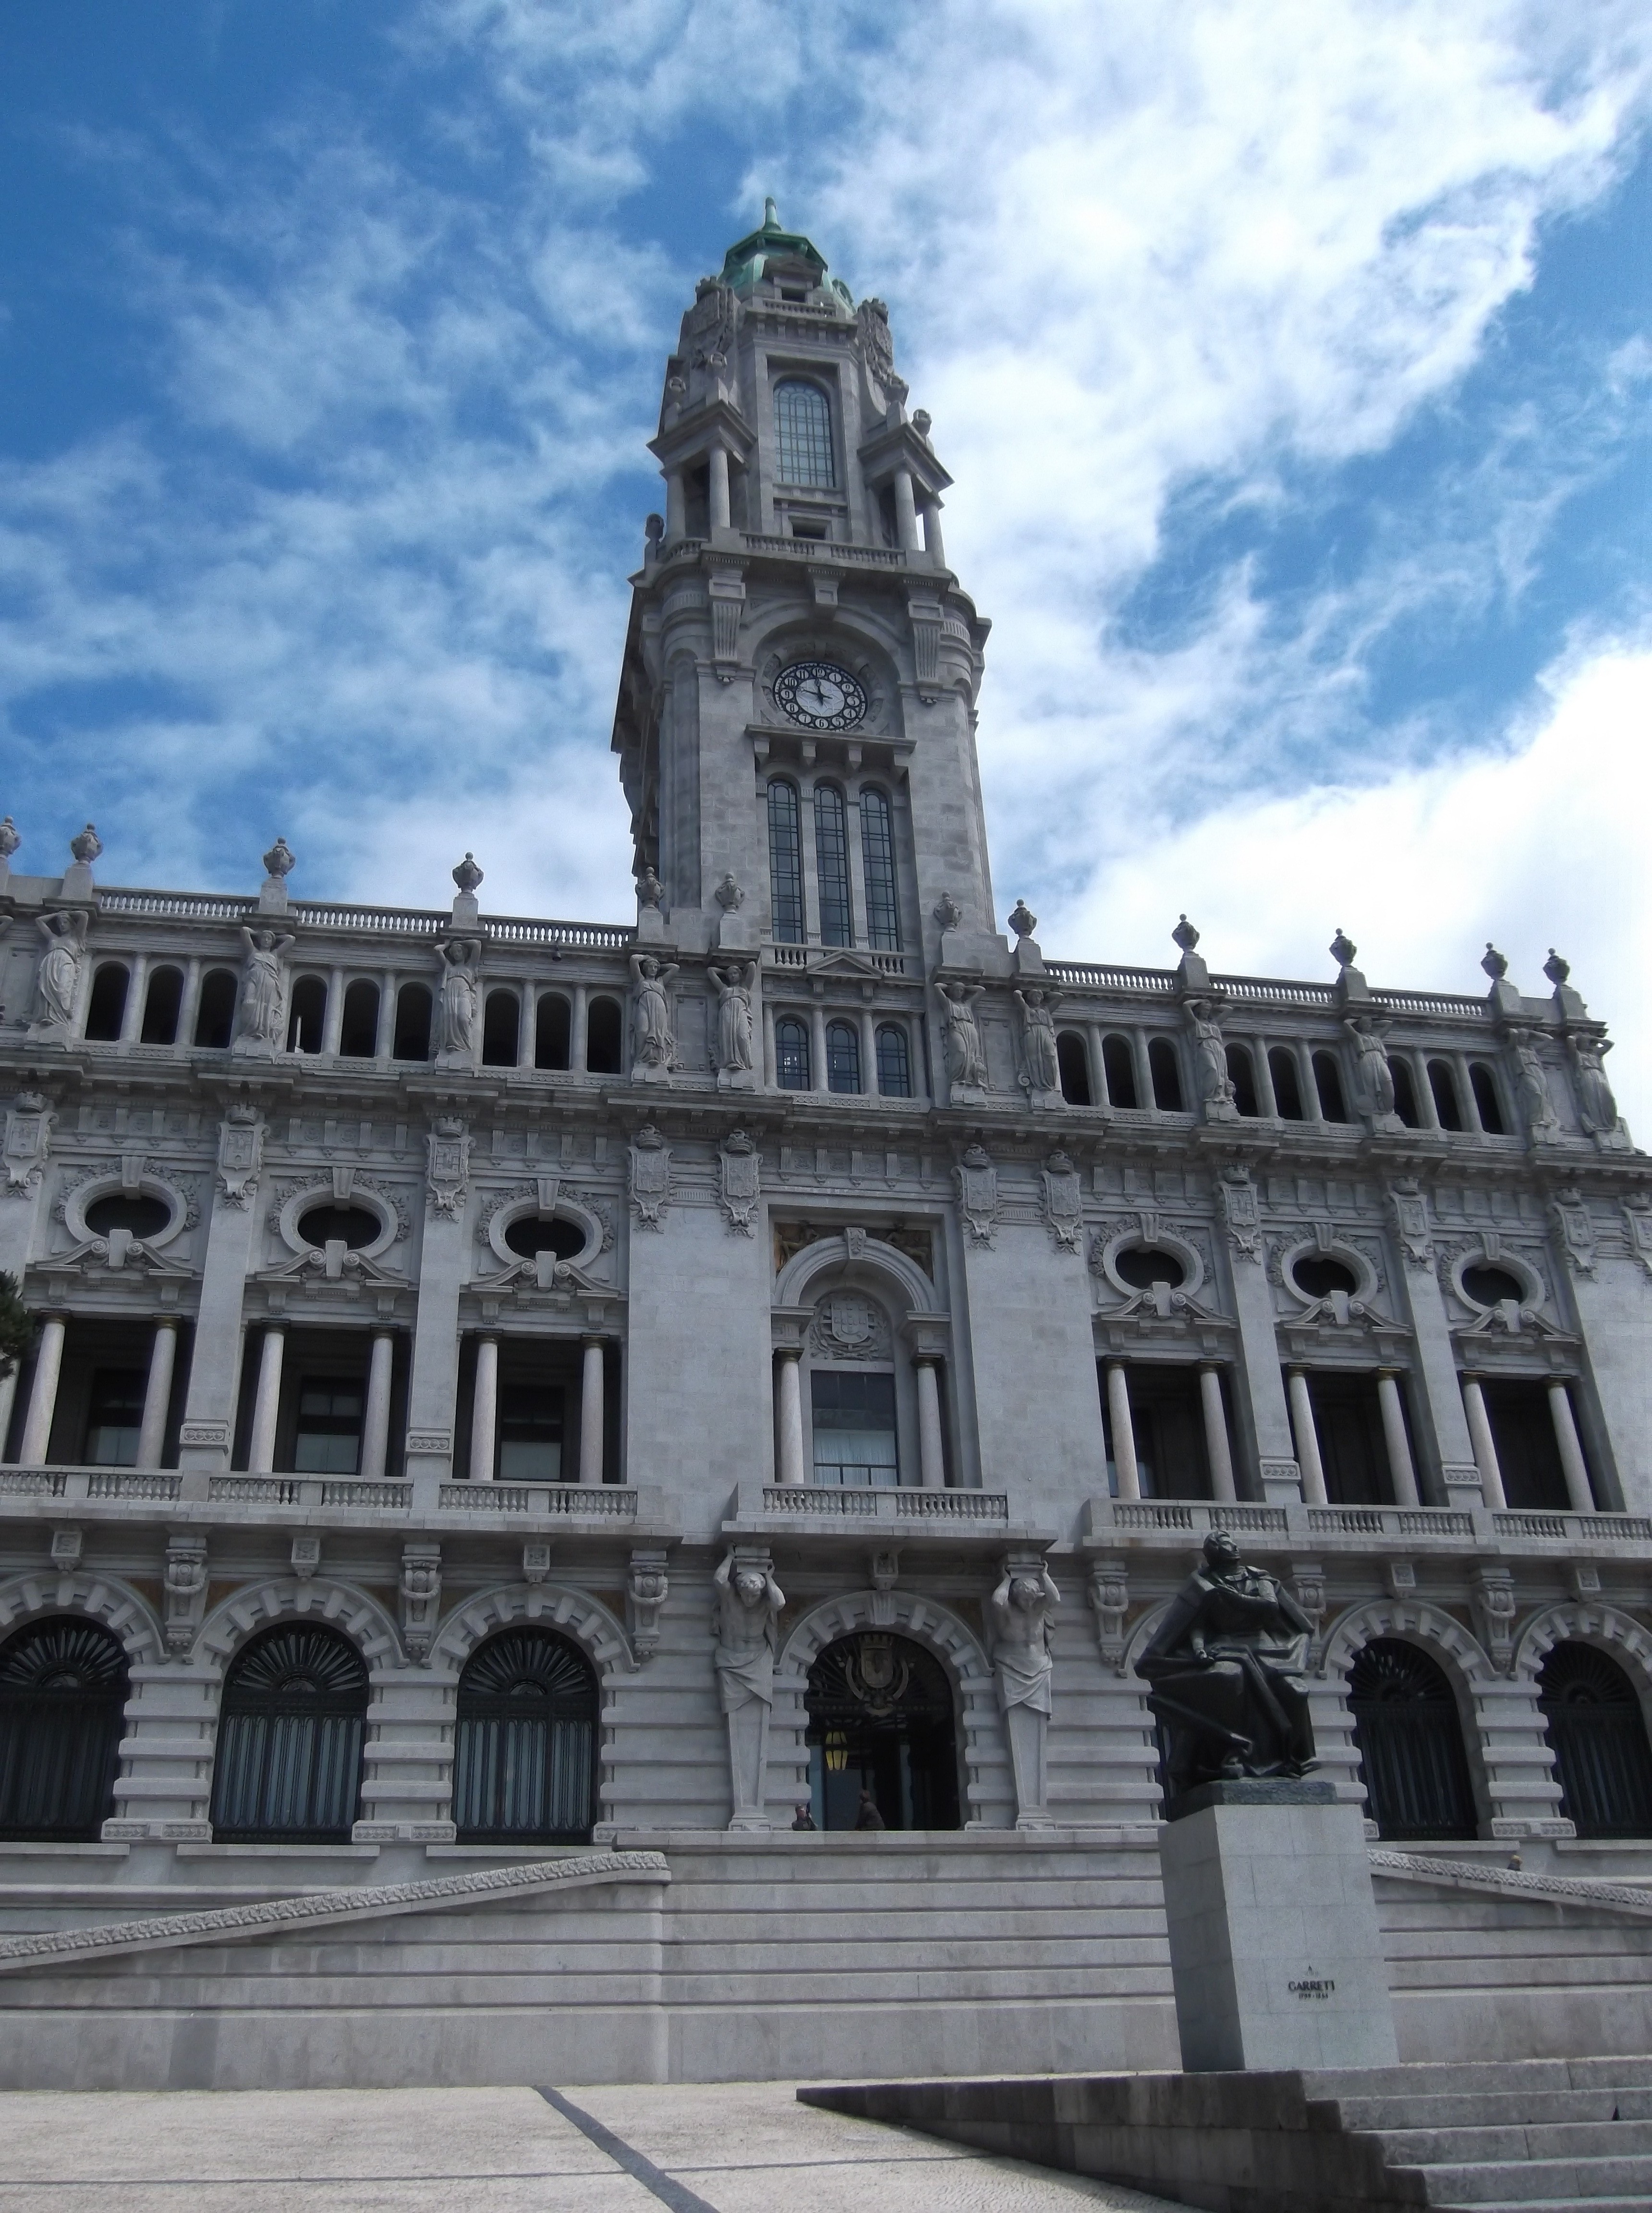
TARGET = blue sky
x,y
1291,360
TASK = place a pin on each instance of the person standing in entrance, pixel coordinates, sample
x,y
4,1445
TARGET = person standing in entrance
x,y
869,1817
803,1819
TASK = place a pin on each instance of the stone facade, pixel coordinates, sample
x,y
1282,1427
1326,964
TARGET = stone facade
x,y
426,1274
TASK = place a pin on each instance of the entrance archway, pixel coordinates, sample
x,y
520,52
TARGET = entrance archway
x,y
525,1766
881,1719
1410,1742
1598,1736
294,1713
63,1696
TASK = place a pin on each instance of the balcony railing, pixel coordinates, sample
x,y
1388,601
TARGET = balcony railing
x,y
575,1501
860,1502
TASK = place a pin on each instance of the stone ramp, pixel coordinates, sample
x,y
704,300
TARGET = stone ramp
x,y
1538,2135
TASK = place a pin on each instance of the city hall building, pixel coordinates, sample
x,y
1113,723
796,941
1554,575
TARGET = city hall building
x,y
520,1408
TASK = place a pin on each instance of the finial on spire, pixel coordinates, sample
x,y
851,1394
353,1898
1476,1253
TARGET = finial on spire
x,y
1342,948
1495,964
1184,935
770,216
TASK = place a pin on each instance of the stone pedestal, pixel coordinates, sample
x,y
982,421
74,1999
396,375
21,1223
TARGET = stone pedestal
x,y
1275,1949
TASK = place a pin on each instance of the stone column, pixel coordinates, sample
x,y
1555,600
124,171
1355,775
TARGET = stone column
x,y
375,1426
1486,1450
1216,1446
1308,1439
1571,1452
332,1025
484,1410
676,506
266,1404
158,1392
1401,1473
189,1006
527,1024
132,1019
42,1394
1123,1431
580,1029
1469,1104
718,458
932,538
905,511
791,1416
8,1400
384,1036
817,1038
869,1053
215,1359
932,1458
1307,1082
1266,1098
590,1410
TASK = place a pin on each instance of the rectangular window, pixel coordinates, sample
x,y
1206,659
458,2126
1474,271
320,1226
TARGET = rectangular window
x,y
329,1437
114,1417
894,1064
854,1428
878,846
530,1433
786,864
831,859
802,418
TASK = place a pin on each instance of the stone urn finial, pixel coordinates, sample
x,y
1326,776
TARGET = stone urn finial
x,y
467,875
87,847
948,912
11,838
729,894
650,890
922,422
1494,963
1556,969
1342,948
280,860
1023,920
1184,935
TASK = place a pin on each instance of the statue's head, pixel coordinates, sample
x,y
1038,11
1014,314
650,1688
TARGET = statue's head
x,y
650,966
1025,1593
750,1585
1220,1553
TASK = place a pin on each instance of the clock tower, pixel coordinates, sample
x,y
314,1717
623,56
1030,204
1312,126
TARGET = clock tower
x,y
796,721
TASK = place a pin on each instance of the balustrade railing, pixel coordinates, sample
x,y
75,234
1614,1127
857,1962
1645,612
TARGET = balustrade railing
x,y
861,1503
572,1501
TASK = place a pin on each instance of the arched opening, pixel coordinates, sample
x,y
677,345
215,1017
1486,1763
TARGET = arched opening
x,y
1598,1735
1119,1067
291,1725
881,1721
501,1029
1327,1081
1484,1085
791,1066
412,1039
525,1758
1410,1742
106,1010
894,1062
843,1057
832,864
604,1034
163,999
1287,1084
1241,1074
552,1031
214,1017
308,1021
358,1034
878,850
1443,1085
786,864
1073,1065
63,1695
1404,1091
1162,1067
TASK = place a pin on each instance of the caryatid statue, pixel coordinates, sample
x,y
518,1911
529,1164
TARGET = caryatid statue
x,y
1373,1076
1532,1083
966,1061
460,1000
263,991
1597,1107
1038,1038
1215,1086
1022,1607
1225,1669
745,1624
58,982
656,1042
736,988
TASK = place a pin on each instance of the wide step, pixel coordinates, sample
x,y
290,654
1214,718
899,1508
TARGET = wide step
x,y
1539,2181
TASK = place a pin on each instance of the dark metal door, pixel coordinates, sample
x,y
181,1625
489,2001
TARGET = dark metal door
x,y
290,1740
1598,1735
63,1699
881,1720
525,1767
1410,1742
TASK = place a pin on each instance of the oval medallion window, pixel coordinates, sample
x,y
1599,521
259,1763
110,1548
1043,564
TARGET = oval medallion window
x,y
1410,1742
524,1769
63,1696
1316,1275
290,1740
1141,1266
532,1234
1489,1287
352,1226
141,1214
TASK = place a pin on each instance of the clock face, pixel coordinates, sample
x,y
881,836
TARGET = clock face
x,y
820,695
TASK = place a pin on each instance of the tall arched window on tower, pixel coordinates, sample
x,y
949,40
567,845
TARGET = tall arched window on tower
x,y
791,1066
878,848
831,859
843,1057
894,1062
785,863
803,421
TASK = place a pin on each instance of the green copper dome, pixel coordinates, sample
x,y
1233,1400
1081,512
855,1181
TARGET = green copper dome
x,y
773,252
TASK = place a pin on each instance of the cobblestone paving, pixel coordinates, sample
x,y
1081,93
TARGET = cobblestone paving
x,y
726,2148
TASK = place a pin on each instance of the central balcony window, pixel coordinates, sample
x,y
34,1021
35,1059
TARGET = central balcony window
x,y
855,1428
328,1438
531,1433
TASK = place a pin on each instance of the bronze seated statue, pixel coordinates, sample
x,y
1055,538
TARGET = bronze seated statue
x,y
1226,1670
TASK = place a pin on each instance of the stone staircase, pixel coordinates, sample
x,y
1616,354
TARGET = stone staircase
x,y
1541,2136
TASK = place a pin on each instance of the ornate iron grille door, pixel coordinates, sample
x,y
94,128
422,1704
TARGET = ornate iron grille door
x,y
1602,1761
63,1697
290,1740
525,1770
1410,1743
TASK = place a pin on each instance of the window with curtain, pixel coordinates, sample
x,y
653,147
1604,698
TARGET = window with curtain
x,y
894,1062
802,418
791,1054
785,863
831,861
843,1057
878,849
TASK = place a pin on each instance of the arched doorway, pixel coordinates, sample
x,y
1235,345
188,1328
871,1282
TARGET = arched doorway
x,y
63,1696
1410,1743
880,1718
525,1765
1598,1736
291,1721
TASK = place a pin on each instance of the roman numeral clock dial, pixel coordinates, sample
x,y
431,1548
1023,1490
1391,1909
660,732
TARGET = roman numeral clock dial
x,y
820,695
